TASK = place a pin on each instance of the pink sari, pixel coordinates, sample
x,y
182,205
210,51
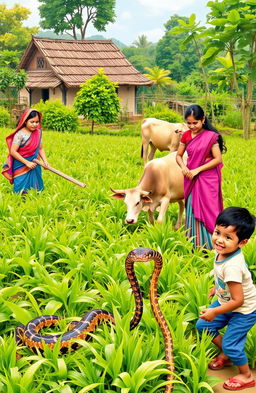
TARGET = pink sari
x,y
28,150
206,192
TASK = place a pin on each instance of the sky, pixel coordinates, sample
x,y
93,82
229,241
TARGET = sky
x,y
133,17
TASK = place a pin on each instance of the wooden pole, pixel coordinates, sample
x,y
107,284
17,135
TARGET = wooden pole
x,y
59,173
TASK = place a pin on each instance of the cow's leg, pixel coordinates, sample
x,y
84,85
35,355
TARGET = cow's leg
x,y
163,207
144,151
150,216
152,151
181,210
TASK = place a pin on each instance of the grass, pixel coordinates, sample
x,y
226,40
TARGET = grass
x,y
63,252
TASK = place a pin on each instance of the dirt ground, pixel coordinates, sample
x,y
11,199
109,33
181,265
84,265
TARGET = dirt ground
x,y
224,375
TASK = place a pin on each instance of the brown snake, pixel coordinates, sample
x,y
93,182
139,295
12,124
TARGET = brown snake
x,y
29,334
145,255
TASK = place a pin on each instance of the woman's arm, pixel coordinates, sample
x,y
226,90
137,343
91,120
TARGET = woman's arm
x,y
43,155
14,152
237,299
217,159
179,159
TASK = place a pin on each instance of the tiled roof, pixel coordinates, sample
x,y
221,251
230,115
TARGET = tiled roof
x,y
74,62
42,79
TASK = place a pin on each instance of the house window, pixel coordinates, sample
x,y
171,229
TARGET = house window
x,y
40,62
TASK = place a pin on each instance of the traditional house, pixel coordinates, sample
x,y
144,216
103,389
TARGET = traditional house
x,y
56,68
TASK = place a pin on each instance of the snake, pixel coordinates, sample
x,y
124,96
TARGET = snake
x,y
29,336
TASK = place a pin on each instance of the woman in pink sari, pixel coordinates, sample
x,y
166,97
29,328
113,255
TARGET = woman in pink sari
x,y
24,145
202,175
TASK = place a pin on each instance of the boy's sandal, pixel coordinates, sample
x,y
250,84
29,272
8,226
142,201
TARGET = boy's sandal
x,y
219,363
236,384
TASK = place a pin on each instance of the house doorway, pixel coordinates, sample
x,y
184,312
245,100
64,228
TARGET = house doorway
x,y
45,94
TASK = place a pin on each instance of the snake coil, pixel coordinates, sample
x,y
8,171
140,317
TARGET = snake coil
x,y
29,334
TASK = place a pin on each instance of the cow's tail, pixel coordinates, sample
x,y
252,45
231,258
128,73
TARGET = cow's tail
x,y
141,152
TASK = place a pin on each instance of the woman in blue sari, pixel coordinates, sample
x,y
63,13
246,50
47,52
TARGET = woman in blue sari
x,y
24,146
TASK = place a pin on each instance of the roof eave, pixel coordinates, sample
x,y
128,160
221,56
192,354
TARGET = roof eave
x,y
119,84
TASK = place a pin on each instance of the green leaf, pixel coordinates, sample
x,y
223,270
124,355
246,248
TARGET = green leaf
x,y
192,19
218,22
212,51
89,387
29,373
52,306
20,314
233,16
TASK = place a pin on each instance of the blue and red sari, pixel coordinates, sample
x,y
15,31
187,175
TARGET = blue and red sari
x,y
18,174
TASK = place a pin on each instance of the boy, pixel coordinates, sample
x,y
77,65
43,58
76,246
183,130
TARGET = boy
x,y
236,304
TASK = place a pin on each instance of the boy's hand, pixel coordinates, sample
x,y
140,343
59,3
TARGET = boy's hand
x,y
208,315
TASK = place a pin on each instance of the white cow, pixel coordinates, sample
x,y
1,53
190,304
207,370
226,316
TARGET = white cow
x,y
162,183
161,135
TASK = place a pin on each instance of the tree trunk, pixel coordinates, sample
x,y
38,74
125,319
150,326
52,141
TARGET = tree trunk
x,y
246,106
92,127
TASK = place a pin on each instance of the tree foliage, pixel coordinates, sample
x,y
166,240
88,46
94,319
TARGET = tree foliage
x,y
73,16
11,82
169,54
10,78
234,31
159,76
194,33
14,37
142,42
141,54
97,99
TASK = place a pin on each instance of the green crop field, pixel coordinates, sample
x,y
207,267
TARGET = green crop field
x,y
63,252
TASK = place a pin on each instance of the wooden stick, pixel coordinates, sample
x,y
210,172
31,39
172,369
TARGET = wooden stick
x,y
59,173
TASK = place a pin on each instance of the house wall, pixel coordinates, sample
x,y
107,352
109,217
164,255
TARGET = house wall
x,y
125,93
37,95
71,93
32,65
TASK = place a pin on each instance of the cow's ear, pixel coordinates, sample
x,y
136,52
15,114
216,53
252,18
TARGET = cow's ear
x,y
146,199
118,195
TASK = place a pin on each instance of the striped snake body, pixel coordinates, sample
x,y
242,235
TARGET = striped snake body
x,y
29,334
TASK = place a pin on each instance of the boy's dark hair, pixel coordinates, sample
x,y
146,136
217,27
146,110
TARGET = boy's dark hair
x,y
240,218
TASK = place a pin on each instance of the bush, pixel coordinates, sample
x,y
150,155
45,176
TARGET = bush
x,y
57,116
162,112
4,117
233,119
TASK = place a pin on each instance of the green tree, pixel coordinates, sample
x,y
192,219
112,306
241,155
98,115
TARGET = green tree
x,y
234,32
160,77
140,57
224,76
195,33
73,16
170,56
142,42
9,58
11,81
14,37
97,100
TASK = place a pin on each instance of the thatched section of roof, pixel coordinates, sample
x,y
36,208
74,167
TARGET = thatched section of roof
x,y
74,62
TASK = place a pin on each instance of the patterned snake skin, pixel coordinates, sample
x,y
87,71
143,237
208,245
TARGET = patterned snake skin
x,y
29,334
